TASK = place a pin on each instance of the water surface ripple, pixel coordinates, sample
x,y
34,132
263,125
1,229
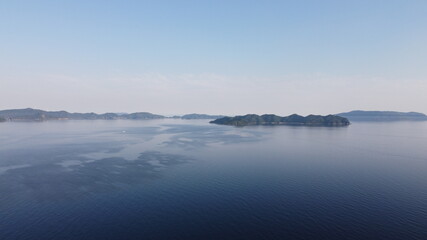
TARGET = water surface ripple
x,y
188,179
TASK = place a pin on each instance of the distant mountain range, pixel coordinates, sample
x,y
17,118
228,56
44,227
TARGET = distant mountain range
x,y
201,116
29,114
383,116
295,120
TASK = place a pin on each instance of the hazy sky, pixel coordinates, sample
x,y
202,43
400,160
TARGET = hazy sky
x,y
219,57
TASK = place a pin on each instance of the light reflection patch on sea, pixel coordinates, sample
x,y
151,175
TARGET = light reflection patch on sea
x,y
69,163
132,149
72,178
205,137
176,138
6,168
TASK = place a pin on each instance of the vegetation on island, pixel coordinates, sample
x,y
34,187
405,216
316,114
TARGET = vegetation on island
x,y
294,120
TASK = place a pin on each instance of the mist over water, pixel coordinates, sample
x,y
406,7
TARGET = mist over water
x,y
188,179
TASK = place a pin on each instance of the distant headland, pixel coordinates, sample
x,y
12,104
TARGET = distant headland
x,y
30,114
294,120
201,116
383,116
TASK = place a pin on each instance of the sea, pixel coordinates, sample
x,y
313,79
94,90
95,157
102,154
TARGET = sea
x,y
189,179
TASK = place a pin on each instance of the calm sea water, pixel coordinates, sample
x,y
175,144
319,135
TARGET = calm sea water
x,y
177,179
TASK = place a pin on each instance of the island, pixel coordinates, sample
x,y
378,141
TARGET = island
x,y
383,116
293,120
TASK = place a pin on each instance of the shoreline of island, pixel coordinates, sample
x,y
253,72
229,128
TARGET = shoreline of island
x,y
291,120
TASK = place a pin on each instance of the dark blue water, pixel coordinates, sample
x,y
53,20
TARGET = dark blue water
x,y
175,179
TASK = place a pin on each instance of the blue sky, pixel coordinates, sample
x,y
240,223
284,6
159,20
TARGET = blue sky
x,y
222,57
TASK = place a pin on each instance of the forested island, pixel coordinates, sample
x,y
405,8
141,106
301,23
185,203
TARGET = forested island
x,y
294,120
383,116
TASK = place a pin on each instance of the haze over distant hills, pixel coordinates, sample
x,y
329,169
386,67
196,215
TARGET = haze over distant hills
x,y
201,116
30,114
383,116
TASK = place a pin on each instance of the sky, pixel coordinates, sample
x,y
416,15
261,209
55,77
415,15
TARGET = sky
x,y
218,57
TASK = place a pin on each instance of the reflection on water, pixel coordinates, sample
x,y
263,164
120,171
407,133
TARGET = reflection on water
x,y
66,164
193,137
71,178
185,179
